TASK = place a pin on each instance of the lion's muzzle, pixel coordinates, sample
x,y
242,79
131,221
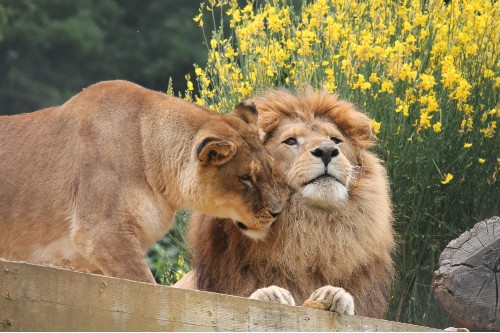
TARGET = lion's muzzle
x,y
325,151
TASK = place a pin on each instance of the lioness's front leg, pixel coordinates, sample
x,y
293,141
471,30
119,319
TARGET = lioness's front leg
x,y
334,299
115,253
273,294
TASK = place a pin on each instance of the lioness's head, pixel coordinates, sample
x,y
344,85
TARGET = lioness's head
x,y
236,172
316,139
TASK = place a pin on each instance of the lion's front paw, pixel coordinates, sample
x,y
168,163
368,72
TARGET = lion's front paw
x,y
332,298
273,294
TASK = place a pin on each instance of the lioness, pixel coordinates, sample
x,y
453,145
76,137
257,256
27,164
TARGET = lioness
x,y
332,243
93,183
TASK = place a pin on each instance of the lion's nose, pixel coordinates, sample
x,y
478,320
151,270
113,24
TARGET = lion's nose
x,y
325,153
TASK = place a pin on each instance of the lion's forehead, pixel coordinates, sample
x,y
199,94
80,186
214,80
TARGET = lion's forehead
x,y
315,128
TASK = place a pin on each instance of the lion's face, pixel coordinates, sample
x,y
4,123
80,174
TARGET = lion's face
x,y
314,157
237,173
316,140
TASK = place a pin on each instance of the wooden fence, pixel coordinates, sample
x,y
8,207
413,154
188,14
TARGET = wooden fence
x,y
40,298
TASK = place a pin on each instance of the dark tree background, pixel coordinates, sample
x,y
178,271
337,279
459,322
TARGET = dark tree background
x,y
51,49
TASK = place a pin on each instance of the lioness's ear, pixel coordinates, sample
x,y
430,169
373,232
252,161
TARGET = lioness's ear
x,y
246,111
215,151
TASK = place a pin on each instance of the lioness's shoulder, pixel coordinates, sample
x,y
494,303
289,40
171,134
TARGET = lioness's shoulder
x,y
116,88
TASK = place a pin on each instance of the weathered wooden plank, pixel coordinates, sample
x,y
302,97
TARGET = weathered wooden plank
x,y
39,298
466,283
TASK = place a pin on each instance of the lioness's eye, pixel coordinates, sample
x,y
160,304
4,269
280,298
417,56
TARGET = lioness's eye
x,y
335,139
247,180
290,141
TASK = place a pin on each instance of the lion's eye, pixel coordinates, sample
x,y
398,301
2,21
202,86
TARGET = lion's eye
x,y
336,140
290,141
247,180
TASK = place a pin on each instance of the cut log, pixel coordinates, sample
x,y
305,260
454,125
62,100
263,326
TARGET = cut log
x,y
466,284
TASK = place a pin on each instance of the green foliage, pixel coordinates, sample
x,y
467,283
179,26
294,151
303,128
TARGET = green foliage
x,y
52,49
3,21
168,259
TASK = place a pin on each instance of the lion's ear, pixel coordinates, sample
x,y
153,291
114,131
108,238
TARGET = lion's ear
x,y
359,130
246,111
354,124
215,151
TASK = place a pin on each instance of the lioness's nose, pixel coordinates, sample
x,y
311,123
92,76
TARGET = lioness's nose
x,y
274,213
242,226
325,153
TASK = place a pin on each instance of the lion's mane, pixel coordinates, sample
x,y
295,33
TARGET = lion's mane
x,y
308,248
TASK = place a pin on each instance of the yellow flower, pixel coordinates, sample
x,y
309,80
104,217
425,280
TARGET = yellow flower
x,y
407,26
410,39
467,109
197,18
490,130
190,85
366,85
427,81
180,260
450,74
270,71
200,101
481,160
407,73
447,178
374,78
230,52
420,19
462,92
403,107
330,86
488,74
391,30
387,86
376,126
467,145
432,105
362,84
248,8
425,120
245,89
236,17
437,127
205,81
213,43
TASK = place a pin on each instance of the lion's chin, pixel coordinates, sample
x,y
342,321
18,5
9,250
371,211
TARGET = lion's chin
x,y
326,193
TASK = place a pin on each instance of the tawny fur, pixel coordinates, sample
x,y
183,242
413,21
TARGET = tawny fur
x,y
93,183
347,245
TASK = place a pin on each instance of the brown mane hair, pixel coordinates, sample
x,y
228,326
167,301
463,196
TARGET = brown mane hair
x,y
279,103
308,248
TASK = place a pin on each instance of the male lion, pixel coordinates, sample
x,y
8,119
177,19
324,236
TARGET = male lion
x,y
91,184
334,235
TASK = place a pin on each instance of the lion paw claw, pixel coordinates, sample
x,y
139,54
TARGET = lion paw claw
x,y
333,299
273,294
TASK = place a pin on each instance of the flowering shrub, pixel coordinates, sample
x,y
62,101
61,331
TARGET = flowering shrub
x,y
427,72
